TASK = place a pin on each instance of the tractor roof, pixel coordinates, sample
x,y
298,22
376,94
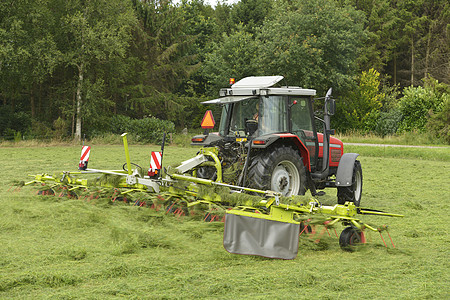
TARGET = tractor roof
x,y
253,86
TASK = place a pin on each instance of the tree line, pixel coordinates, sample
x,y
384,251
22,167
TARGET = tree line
x,y
75,67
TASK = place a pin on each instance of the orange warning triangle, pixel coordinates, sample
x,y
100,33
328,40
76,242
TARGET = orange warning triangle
x,y
208,120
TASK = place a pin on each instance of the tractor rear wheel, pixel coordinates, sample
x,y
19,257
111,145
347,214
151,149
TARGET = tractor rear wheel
x,y
353,192
279,169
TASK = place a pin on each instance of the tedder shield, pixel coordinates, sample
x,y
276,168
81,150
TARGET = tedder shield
x,y
259,236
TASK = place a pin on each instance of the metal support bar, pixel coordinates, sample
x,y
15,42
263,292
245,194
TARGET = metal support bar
x,y
191,163
211,183
127,154
364,211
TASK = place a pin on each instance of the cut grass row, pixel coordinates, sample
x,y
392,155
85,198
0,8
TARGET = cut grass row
x,y
61,248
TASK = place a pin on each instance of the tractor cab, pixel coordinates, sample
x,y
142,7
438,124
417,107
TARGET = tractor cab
x,y
252,110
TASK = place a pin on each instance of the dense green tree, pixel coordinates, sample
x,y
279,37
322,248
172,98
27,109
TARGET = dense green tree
x,y
202,26
314,43
251,13
233,57
97,31
433,44
73,61
28,52
362,106
223,19
382,28
407,39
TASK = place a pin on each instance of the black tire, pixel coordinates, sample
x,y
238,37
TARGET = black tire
x,y
353,192
207,173
279,169
349,238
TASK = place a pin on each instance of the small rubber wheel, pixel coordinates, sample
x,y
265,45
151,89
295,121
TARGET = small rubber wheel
x,y
207,173
353,192
349,238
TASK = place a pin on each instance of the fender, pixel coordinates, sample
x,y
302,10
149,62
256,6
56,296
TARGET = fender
x,y
205,140
345,169
265,141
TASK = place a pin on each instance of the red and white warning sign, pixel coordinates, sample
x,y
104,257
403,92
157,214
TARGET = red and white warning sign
x,y
155,163
85,151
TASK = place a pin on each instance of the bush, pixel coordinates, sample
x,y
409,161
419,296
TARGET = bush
x,y
439,123
13,122
39,130
119,124
419,103
9,134
61,128
388,122
361,108
150,130
415,105
146,130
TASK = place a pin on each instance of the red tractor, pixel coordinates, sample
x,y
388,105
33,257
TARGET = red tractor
x,y
268,139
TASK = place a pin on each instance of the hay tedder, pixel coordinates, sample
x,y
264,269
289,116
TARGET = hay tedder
x,y
250,175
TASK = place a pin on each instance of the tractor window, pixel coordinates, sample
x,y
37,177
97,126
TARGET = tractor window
x,y
302,125
224,119
243,112
300,114
273,115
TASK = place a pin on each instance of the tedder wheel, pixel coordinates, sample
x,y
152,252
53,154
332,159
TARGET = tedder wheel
x,y
349,238
353,192
279,169
207,173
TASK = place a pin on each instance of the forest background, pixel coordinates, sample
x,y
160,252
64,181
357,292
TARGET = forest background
x,y
88,68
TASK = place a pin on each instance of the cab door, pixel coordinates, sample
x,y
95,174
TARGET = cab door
x,y
302,125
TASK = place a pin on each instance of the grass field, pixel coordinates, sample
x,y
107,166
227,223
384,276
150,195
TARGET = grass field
x,y
65,249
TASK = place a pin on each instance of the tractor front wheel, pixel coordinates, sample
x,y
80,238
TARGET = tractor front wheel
x,y
279,169
353,192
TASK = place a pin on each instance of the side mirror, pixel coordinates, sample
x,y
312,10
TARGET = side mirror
x,y
330,104
330,107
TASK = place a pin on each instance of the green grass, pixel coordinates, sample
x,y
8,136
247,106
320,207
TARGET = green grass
x,y
61,248
436,154
406,138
